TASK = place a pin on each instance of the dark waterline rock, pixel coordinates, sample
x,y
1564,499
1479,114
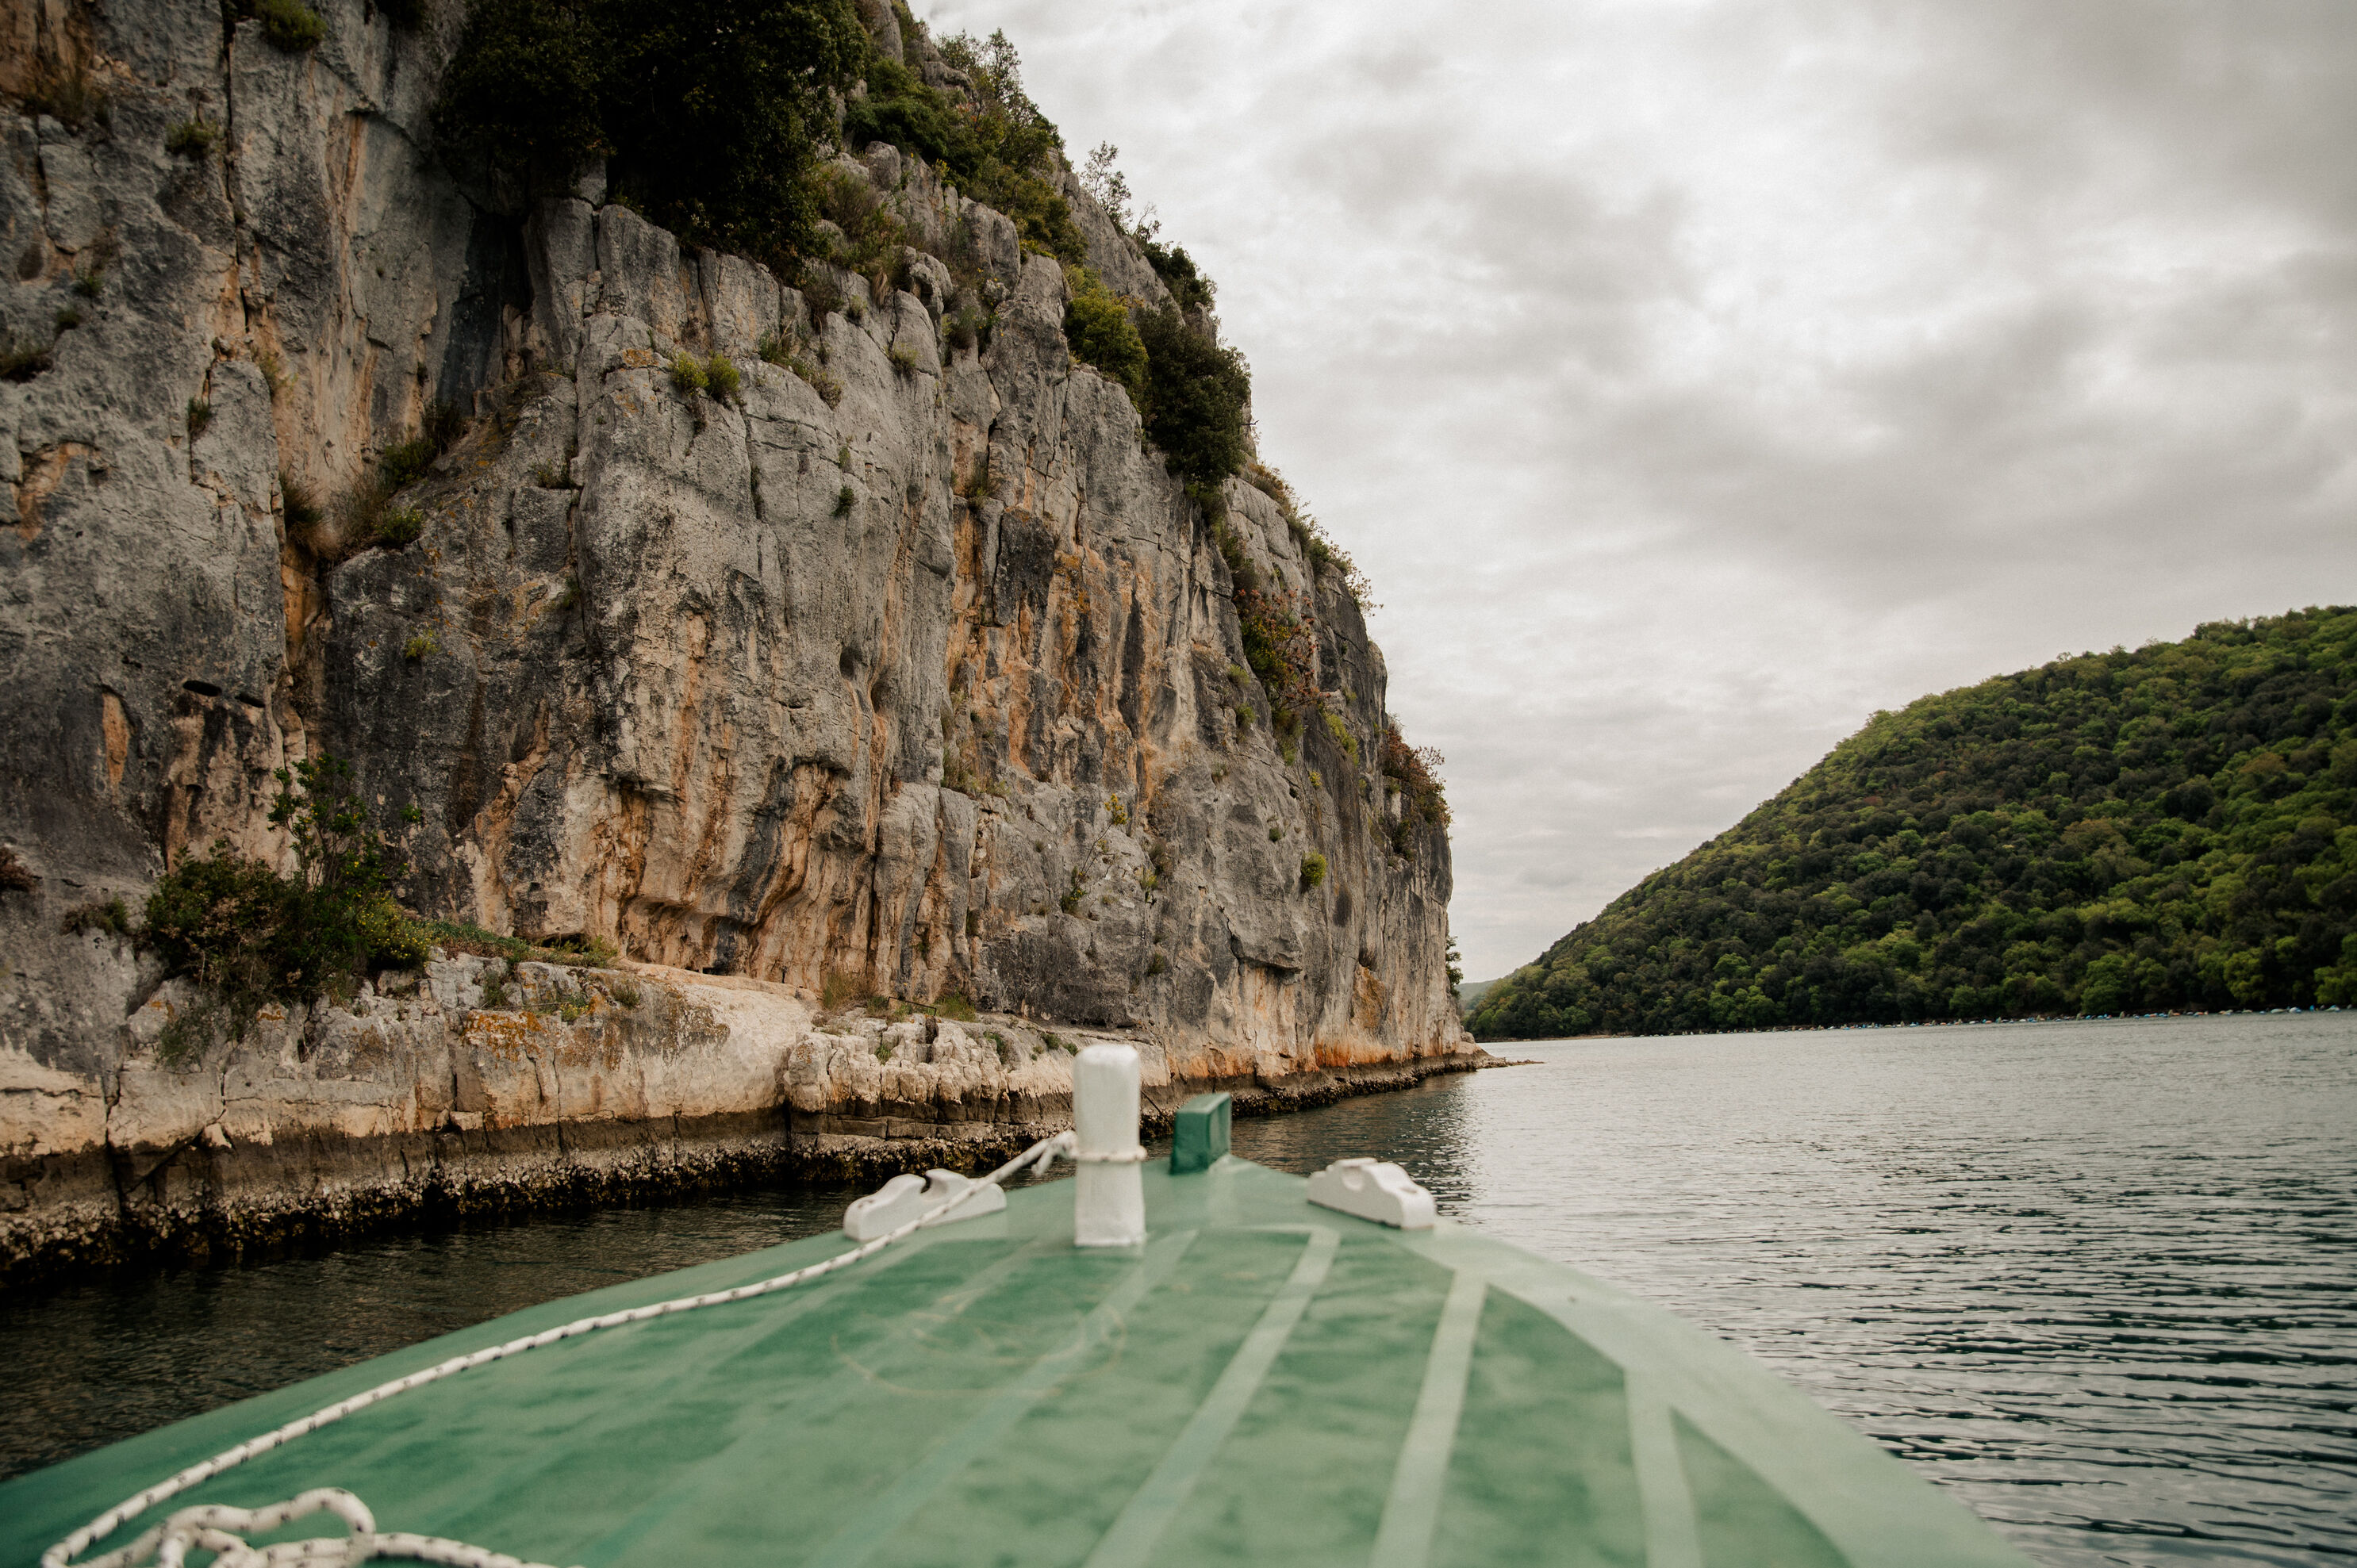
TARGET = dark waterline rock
x,y
322,1191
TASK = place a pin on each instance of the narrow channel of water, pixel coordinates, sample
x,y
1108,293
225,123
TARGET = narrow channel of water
x,y
2098,1279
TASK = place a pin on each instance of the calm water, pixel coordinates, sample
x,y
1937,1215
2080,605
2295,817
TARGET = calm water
x,y
2099,1280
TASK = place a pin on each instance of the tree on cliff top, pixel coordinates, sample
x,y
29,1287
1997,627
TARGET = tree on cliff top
x,y
714,114
712,111
2118,833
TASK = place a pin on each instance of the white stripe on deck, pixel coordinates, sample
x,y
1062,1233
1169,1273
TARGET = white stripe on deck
x,y
1413,1509
1132,1538
857,1540
1671,1540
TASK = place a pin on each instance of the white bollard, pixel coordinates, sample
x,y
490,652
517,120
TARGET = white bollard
x,y
1109,1199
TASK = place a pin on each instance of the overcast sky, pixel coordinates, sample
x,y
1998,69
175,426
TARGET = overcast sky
x,y
1695,378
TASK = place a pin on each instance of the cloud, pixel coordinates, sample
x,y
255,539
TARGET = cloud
x,y
1694,379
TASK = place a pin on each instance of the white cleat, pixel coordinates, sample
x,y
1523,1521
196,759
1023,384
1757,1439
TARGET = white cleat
x,y
906,1198
1373,1189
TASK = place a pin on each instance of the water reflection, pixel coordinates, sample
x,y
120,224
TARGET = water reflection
x,y
111,1359
1428,1129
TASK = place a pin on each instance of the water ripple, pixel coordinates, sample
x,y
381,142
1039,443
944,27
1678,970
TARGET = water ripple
x,y
2099,1280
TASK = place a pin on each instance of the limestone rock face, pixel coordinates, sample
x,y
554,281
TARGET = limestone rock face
x,y
919,676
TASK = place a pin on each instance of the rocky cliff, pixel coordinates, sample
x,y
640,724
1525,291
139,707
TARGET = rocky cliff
x,y
905,672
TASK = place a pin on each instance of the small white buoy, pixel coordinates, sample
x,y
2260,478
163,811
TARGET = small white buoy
x,y
906,1198
1109,1196
1373,1189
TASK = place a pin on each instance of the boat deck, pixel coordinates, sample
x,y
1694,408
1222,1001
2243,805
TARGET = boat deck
x,y
1265,1381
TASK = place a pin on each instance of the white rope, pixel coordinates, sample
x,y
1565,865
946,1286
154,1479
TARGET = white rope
x,y
208,1527
215,1528
1110,1158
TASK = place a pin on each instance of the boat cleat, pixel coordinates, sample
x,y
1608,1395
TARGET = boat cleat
x,y
1373,1189
907,1197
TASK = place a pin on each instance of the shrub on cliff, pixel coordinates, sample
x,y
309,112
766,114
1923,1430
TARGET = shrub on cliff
x,y
191,138
1192,394
711,112
1098,328
288,24
995,144
1281,645
363,517
1196,395
1414,771
1176,268
248,936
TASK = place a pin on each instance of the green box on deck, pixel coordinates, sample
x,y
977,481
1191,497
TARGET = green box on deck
x,y
1200,1133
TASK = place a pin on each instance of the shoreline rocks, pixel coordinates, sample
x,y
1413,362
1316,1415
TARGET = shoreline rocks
x,y
478,1088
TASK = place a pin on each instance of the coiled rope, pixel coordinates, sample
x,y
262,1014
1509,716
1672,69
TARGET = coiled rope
x,y
211,1527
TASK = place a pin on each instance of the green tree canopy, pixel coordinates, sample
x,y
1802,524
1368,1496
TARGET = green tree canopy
x,y
1197,396
2119,833
712,111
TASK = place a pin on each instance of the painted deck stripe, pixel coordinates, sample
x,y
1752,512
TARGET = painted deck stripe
x,y
1670,1539
807,1406
1150,1510
1404,1538
855,1542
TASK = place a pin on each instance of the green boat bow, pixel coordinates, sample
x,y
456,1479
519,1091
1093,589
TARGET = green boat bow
x,y
1262,1380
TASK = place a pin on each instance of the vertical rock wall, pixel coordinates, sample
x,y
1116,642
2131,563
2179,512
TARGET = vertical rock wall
x,y
929,690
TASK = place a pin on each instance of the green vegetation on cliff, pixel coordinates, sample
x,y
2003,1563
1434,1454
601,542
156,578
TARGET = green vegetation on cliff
x,y
248,936
713,115
993,142
2119,833
1194,395
1198,397
712,112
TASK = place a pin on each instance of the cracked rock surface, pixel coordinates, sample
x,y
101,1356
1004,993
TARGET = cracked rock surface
x,y
926,689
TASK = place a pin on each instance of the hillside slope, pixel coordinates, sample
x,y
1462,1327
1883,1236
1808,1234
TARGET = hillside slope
x,y
2120,832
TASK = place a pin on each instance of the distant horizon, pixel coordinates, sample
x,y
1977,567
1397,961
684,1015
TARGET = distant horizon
x,y
1693,383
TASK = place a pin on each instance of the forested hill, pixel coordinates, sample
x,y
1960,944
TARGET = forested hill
x,y
2118,833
